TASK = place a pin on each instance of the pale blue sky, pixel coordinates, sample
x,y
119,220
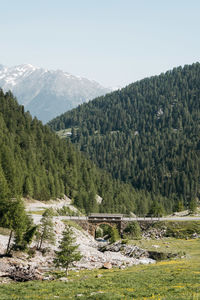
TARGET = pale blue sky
x,y
114,42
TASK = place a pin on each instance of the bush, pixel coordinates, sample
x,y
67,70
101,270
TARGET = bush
x,y
133,230
114,234
99,232
183,230
66,211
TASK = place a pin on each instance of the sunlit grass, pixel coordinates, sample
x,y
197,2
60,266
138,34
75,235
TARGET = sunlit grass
x,y
4,231
37,212
173,279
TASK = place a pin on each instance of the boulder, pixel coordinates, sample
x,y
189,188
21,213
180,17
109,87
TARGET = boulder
x,y
63,279
107,265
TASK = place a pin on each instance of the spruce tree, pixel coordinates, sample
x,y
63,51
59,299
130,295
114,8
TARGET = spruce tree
x,y
45,231
193,206
68,252
16,220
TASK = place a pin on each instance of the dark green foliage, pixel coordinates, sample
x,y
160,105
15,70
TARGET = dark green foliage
x,y
147,134
107,232
114,234
99,233
182,230
133,230
35,162
156,210
68,252
29,235
66,211
193,206
45,232
14,217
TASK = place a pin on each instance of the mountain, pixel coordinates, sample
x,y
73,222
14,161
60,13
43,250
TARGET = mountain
x,y
46,93
147,134
36,163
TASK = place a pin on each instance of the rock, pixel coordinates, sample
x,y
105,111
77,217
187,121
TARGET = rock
x,y
47,278
23,273
122,267
154,233
107,265
63,279
127,250
95,293
116,254
161,255
3,274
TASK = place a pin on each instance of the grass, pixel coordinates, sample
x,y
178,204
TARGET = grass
x,y
165,245
174,279
37,212
4,231
183,229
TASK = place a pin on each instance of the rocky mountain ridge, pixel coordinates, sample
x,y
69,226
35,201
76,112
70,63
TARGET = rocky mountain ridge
x,y
48,93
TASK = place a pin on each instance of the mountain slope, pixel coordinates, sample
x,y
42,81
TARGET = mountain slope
x,y
45,93
147,134
35,162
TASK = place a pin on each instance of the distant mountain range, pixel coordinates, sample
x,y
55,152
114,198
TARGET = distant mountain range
x,y
48,93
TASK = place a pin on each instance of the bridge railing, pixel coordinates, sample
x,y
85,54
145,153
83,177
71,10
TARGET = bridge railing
x,y
123,218
141,218
75,217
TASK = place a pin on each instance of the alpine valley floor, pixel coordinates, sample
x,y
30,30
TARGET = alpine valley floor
x,y
170,279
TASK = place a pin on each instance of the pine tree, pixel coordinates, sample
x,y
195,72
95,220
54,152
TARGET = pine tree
x,y
46,231
193,206
68,252
16,220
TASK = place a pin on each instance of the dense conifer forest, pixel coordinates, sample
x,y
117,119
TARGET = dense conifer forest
x,y
147,134
35,162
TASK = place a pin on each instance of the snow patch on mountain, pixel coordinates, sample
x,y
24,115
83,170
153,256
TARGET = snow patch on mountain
x,y
48,93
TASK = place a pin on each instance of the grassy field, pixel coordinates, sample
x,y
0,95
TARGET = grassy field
x,y
173,279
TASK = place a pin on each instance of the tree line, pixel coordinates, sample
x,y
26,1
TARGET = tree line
x,y
146,135
36,163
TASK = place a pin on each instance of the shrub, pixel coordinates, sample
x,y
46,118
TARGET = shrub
x,y
133,230
114,234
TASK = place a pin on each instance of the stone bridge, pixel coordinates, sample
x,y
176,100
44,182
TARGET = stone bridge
x,y
91,222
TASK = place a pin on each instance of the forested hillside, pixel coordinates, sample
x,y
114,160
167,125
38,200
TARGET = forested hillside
x,y
147,134
35,162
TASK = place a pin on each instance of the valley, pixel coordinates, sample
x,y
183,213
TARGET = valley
x,y
121,276
119,180
145,135
100,150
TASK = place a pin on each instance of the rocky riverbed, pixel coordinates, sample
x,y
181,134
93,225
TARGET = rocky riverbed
x,y
22,266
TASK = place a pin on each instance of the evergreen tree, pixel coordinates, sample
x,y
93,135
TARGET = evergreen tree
x,y
16,220
45,231
68,252
36,163
193,206
147,135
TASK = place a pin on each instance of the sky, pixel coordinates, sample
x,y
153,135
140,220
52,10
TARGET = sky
x,y
114,42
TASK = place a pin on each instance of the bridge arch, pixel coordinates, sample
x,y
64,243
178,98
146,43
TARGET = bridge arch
x,y
95,220
105,230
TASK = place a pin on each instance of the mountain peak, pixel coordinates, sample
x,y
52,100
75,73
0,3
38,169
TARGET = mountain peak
x,y
48,93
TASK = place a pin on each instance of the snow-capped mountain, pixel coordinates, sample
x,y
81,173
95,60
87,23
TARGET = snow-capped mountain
x,y
48,93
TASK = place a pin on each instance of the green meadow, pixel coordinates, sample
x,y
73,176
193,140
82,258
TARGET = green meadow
x,y
170,279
